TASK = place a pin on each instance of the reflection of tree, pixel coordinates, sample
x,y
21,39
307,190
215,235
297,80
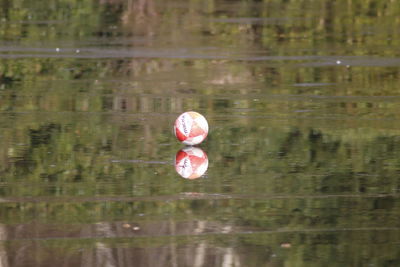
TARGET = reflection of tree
x,y
63,138
3,250
139,10
102,253
137,16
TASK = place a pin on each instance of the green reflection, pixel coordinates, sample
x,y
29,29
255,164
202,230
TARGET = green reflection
x,y
302,100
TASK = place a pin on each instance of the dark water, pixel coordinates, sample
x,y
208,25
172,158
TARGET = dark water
x,y
302,99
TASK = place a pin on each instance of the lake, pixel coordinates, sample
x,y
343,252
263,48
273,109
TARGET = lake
x,y
302,100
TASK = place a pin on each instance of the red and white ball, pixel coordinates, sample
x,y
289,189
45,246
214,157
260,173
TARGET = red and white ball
x,y
191,162
191,128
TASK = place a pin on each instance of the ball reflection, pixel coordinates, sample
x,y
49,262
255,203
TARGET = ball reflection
x,y
191,162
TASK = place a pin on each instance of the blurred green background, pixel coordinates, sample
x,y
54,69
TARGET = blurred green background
x,y
302,98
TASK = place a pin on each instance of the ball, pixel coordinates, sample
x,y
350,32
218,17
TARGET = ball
x,y
191,162
191,128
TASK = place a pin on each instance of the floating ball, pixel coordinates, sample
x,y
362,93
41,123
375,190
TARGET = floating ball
x,y
191,162
191,128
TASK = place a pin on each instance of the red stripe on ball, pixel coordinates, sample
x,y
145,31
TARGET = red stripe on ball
x,y
181,137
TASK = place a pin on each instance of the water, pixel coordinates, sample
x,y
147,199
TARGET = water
x,y
302,99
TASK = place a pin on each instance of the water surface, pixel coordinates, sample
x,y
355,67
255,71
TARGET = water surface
x,y
302,99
